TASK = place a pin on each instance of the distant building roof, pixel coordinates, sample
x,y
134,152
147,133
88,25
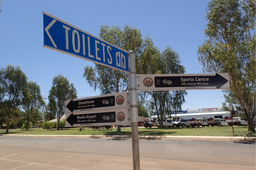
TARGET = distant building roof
x,y
55,120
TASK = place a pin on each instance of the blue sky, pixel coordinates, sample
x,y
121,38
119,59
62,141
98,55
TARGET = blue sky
x,y
178,24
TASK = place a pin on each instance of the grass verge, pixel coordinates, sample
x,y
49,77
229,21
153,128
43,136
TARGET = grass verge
x,y
197,131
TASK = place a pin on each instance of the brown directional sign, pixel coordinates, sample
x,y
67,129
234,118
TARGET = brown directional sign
x,y
159,82
112,116
117,100
91,118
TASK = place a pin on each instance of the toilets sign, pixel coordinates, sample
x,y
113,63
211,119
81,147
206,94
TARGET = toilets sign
x,y
66,38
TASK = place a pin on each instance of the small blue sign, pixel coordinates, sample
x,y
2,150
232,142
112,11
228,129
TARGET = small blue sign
x,y
66,38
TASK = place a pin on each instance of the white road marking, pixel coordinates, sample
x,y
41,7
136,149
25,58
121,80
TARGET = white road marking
x,y
21,166
30,163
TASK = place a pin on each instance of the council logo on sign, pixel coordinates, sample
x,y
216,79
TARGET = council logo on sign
x,y
120,100
148,82
120,116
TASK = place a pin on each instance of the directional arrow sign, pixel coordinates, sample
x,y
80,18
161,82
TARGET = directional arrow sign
x,y
66,38
118,100
111,117
159,82
91,118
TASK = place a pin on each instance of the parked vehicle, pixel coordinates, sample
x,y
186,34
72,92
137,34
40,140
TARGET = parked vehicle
x,y
217,122
236,121
202,121
180,122
148,124
166,123
140,123
240,121
197,122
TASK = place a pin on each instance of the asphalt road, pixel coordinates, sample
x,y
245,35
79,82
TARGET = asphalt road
x,y
96,153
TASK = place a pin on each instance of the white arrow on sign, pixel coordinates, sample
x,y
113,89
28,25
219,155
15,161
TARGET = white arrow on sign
x,y
47,31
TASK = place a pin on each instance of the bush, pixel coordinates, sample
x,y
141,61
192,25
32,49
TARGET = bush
x,y
24,125
4,125
81,128
47,125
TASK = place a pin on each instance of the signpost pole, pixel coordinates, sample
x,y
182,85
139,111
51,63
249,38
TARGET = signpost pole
x,y
134,111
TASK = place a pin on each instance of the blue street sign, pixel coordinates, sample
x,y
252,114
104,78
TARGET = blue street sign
x,y
66,38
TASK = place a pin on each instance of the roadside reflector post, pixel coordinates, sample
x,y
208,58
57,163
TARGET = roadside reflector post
x,y
134,111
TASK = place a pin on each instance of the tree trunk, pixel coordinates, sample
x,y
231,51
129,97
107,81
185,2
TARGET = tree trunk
x,y
8,125
250,126
158,117
27,123
7,128
254,104
58,121
118,128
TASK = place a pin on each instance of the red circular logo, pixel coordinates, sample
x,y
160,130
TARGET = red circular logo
x,y
120,116
120,100
148,82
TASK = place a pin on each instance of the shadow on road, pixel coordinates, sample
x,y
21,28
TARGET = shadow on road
x,y
120,138
152,137
248,141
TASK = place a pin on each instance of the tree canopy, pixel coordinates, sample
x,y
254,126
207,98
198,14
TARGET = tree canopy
x,y
32,102
60,91
13,83
231,47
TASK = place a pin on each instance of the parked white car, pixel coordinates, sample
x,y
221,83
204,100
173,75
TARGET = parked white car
x,y
202,121
217,122
180,122
237,121
240,121
166,123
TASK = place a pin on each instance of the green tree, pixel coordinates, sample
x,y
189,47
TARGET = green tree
x,y
32,102
166,62
142,111
17,118
12,84
231,48
60,91
48,113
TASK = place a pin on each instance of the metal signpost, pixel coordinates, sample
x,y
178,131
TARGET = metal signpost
x,y
66,38
161,82
114,109
134,112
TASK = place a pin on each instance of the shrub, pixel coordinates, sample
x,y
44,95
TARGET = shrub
x,y
24,125
4,125
47,125
81,128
